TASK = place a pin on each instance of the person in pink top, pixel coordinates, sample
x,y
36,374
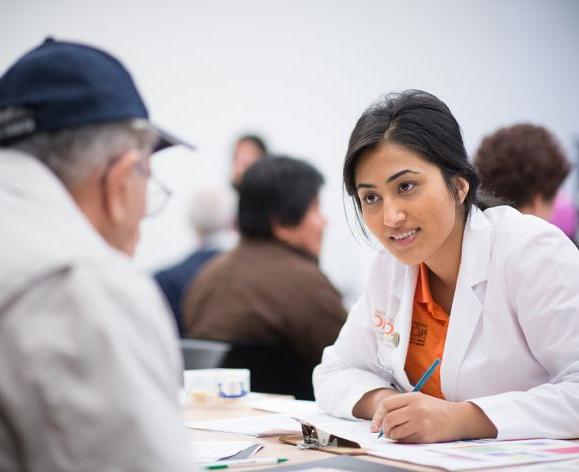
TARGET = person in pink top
x,y
564,215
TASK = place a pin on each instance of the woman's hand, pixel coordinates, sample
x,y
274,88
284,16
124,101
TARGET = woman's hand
x,y
419,418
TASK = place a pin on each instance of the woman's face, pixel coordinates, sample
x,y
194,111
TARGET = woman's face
x,y
407,205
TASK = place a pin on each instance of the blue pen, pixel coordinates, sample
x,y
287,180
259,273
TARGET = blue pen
x,y
420,384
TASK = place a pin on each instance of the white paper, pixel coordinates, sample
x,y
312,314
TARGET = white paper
x,y
209,451
354,430
258,426
460,455
288,407
566,466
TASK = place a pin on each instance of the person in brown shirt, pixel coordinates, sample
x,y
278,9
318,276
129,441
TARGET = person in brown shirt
x,y
269,290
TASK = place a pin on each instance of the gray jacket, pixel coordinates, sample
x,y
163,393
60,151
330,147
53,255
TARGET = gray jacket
x,y
89,364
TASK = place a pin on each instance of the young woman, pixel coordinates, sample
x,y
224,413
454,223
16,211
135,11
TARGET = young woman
x,y
493,294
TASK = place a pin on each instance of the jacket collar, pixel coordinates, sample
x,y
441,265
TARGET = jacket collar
x,y
275,244
28,179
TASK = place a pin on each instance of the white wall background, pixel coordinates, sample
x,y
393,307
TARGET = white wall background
x,y
300,72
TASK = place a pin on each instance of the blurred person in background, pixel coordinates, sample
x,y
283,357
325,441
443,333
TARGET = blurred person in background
x,y
89,365
269,290
248,149
212,217
564,215
524,166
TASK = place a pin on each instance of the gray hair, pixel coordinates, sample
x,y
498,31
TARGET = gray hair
x,y
212,210
73,154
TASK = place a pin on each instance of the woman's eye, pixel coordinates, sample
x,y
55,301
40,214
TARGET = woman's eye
x,y
370,199
406,187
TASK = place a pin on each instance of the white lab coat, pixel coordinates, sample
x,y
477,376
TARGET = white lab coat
x,y
512,345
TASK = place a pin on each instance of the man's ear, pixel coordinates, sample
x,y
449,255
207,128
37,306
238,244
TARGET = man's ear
x,y
116,186
281,232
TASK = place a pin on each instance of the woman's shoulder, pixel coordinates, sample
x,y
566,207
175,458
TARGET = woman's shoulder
x,y
510,226
516,235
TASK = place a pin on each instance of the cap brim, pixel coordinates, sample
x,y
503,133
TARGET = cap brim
x,y
167,140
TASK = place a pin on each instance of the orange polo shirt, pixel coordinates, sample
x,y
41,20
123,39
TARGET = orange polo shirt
x,y
427,337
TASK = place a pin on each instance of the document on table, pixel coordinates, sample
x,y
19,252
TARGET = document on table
x,y
258,426
460,455
493,453
288,407
565,466
210,451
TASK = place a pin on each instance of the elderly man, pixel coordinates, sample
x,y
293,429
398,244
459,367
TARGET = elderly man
x,y
88,359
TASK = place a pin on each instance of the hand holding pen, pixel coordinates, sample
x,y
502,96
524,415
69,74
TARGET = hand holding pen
x,y
427,374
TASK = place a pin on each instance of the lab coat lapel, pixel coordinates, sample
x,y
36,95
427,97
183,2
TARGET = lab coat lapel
x,y
468,299
403,291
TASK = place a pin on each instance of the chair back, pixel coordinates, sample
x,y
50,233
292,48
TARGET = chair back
x,y
274,369
203,354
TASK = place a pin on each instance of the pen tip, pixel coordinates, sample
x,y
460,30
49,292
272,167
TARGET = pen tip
x,y
282,459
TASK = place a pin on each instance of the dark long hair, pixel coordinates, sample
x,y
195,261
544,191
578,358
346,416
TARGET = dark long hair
x,y
418,121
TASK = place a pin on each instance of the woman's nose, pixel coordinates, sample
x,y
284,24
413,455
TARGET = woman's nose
x,y
393,216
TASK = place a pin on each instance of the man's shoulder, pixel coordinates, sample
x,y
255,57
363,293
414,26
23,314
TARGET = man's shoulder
x,y
187,268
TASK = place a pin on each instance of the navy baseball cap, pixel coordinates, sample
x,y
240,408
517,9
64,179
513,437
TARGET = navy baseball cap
x,y
61,85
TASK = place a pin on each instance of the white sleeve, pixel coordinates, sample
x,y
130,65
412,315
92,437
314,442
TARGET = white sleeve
x,y
543,280
350,368
90,375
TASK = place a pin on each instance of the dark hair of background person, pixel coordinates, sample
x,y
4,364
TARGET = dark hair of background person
x,y
521,161
279,189
422,123
254,139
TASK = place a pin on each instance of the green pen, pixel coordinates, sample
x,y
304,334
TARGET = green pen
x,y
242,463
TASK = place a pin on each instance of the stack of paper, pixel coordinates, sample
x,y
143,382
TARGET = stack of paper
x,y
288,407
258,426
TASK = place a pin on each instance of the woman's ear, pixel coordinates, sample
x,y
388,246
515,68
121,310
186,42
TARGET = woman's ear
x,y
117,187
462,187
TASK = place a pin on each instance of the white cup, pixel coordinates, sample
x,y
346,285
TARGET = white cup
x,y
210,387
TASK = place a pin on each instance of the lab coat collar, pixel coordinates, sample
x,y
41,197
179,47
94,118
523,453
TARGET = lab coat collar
x,y
404,276
475,257
466,308
468,298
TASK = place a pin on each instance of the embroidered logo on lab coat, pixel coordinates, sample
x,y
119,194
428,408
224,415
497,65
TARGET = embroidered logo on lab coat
x,y
383,324
386,329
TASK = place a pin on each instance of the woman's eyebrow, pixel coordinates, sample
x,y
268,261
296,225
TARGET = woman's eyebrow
x,y
399,174
365,186
389,179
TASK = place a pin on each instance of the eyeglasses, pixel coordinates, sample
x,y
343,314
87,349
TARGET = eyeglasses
x,y
158,194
